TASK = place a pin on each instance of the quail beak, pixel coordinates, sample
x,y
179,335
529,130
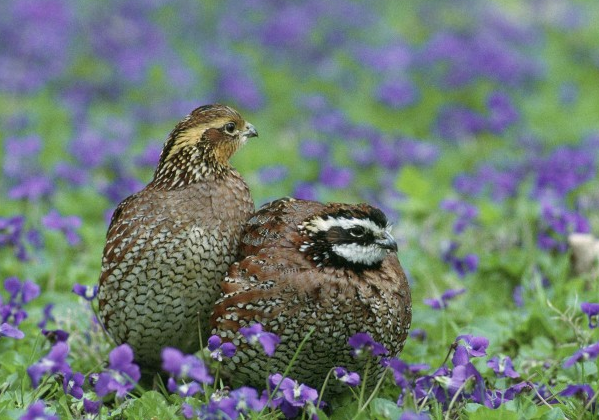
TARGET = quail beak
x,y
250,131
387,242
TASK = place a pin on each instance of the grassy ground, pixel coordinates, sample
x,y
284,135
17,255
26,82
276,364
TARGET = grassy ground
x,y
473,125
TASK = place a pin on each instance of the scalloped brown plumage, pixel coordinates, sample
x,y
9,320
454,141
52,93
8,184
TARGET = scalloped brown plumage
x,y
169,245
285,280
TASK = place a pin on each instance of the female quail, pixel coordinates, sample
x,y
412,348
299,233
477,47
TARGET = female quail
x,y
169,245
307,265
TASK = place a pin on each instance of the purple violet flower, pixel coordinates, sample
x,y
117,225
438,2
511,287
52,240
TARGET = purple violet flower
x,y
54,361
21,292
458,123
476,346
188,389
464,265
430,384
150,156
236,84
565,169
419,333
122,374
12,235
502,112
460,356
336,177
312,149
241,401
75,175
397,93
592,311
363,344
72,384
122,186
410,415
493,398
46,316
459,376
516,389
183,366
55,336
404,375
254,334
442,303
86,292
305,191
91,407
582,391
503,367
466,213
7,330
348,378
291,395
37,411
21,155
558,222
586,353
32,188
219,350
188,411
517,296
68,225
499,183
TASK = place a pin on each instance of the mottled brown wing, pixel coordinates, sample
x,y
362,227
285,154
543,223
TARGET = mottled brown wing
x,y
260,287
275,224
135,227
290,297
133,217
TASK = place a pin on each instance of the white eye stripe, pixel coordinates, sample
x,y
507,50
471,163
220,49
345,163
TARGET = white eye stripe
x,y
322,225
367,255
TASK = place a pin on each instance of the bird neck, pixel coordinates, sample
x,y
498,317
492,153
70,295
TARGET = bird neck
x,y
190,165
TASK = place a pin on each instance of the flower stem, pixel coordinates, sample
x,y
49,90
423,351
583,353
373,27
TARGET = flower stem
x,y
288,368
363,389
455,398
324,385
376,389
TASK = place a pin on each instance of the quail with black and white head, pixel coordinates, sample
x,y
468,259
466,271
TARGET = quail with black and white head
x,y
305,265
169,245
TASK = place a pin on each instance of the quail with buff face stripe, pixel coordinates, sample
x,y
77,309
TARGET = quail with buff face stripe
x,y
331,268
169,245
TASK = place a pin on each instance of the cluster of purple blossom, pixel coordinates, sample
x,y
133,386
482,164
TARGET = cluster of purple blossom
x,y
189,375
394,73
15,235
490,46
553,176
12,312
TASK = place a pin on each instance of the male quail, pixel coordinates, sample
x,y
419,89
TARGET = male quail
x,y
307,265
169,245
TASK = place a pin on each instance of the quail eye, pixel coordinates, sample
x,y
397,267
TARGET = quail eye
x,y
230,127
357,231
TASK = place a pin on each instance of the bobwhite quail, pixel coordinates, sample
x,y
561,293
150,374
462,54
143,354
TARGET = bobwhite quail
x,y
168,246
307,265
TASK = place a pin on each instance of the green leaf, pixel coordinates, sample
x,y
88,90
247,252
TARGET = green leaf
x,y
553,414
381,408
321,415
413,183
151,404
348,412
489,213
484,413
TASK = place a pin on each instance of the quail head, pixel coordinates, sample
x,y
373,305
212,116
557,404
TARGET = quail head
x,y
305,265
169,245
